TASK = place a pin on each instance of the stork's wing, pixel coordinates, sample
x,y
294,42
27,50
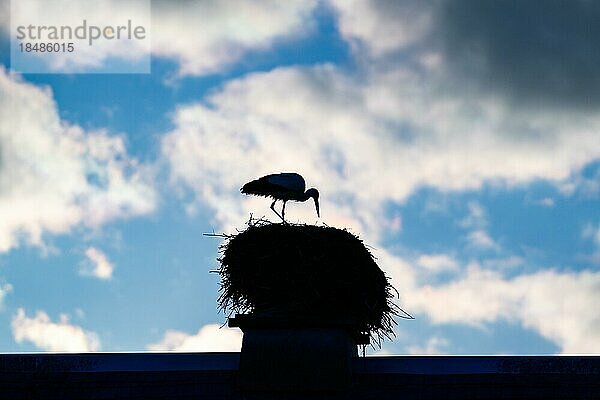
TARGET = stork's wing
x,y
269,185
290,180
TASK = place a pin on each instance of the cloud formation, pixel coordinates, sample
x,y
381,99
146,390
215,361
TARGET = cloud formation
x,y
97,264
5,288
592,233
381,27
202,37
54,176
93,52
370,142
52,336
4,16
405,121
547,55
558,305
218,34
437,262
436,102
434,345
209,338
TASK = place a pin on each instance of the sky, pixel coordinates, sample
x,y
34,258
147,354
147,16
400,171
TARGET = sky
x,y
459,139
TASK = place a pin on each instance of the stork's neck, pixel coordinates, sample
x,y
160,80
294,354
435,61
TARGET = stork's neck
x,y
312,192
305,196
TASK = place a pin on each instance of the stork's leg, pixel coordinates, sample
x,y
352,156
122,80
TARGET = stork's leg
x,y
283,212
275,211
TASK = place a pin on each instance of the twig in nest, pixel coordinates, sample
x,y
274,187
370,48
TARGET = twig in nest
x,y
222,235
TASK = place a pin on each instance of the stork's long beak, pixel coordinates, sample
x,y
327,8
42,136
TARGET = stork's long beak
x,y
317,207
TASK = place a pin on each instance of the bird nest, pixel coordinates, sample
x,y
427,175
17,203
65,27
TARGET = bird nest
x,y
307,272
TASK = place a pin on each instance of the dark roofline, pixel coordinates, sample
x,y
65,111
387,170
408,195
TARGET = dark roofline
x,y
469,365
114,362
217,376
411,365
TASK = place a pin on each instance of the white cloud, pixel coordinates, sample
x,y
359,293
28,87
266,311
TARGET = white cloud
x,y
582,186
380,26
203,37
476,216
55,176
373,139
209,338
558,305
111,13
592,232
5,288
437,262
215,154
481,296
480,238
80,313
476,221
505,263
4,16
434,345
345,137
52,336
394,224
98,264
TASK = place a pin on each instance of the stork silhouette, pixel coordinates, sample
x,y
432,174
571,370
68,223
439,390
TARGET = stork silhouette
x,y
284,186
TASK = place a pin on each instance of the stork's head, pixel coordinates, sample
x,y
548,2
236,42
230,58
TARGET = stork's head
x,y
314,193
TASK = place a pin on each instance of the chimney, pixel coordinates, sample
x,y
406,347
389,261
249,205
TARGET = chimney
x,y
296,355
305,297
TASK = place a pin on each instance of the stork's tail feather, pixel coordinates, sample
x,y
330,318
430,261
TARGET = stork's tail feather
x,y
250,187
260,187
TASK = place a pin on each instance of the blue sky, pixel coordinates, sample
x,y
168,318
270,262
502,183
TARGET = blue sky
x,y
457,145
